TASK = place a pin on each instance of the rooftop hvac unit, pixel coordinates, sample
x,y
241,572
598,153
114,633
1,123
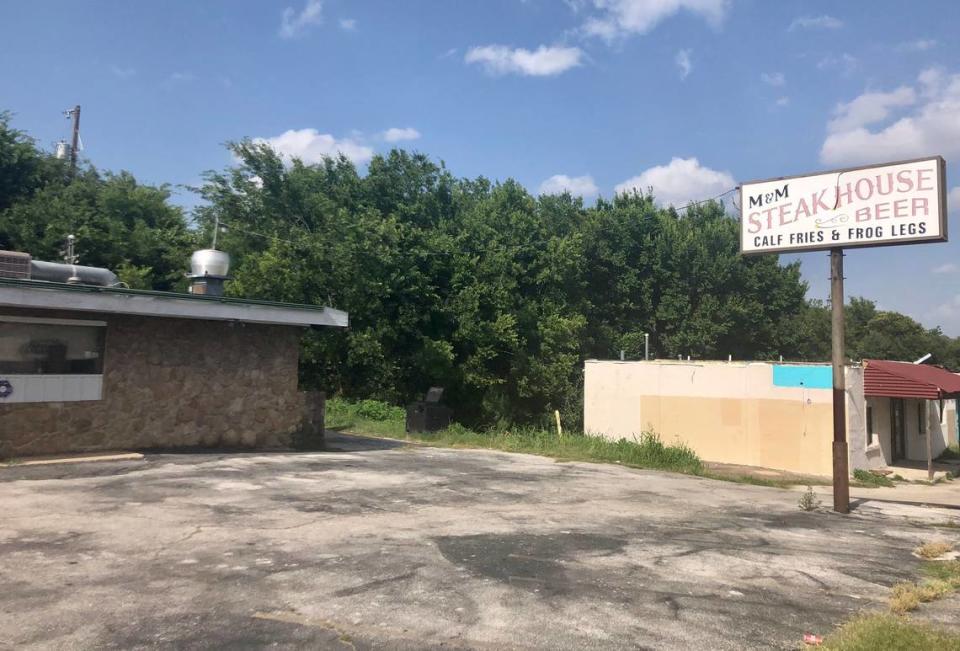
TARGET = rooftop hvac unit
x,y
14,264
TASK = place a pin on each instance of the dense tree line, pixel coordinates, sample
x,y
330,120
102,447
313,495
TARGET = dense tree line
x,y
471,284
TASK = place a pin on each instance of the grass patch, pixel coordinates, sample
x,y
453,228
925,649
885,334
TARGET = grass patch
x,y
867,479
875,632
645,451
375,418
933,550
942,578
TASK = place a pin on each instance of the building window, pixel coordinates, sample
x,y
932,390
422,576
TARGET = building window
x,y
869,425
922,417
51,347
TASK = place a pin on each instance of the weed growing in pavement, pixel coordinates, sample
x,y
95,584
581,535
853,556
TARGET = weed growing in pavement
x,y
932,550
884,631
809,500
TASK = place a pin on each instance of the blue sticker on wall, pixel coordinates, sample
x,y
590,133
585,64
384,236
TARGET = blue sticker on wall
x,y
6,389
808,377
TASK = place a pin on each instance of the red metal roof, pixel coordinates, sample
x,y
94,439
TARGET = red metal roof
x,y
905,380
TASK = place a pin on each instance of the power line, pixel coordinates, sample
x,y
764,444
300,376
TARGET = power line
x,y
703,201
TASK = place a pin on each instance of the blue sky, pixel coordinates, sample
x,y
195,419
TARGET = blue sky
x,y
688,96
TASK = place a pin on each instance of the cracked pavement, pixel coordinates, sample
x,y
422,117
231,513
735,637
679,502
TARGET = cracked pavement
x,y
377,545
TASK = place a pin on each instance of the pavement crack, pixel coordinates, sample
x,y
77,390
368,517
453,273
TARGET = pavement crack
x,y
197,529
293,618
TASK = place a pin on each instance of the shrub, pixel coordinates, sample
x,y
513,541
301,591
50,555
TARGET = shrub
x,y
809,501
871,479
378,410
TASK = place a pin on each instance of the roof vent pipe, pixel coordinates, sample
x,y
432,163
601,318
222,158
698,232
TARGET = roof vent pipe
x,y
73,274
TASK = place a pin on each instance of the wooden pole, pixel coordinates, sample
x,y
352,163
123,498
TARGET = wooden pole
x,y
841,471
75,140
926,417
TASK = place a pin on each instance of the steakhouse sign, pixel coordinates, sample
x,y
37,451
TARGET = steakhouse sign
x,y
892,203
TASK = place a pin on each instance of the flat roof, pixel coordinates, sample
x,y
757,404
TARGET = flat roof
x,y
36,294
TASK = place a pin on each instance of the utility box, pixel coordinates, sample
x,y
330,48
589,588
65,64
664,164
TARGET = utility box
x,y
14,264
429,415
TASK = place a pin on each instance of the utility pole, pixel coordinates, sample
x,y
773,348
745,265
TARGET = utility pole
x,y
75,142
841,478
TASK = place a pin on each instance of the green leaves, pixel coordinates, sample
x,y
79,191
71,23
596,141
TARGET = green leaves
x,y
474,285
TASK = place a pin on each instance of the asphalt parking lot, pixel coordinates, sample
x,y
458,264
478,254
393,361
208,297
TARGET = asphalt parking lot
x,y
378,545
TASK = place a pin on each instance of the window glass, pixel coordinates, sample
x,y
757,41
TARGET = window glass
x,y
48,349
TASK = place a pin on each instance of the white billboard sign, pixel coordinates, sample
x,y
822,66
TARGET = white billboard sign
x,y
892,203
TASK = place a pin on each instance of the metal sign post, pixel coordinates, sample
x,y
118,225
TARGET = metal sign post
x,y
902,202
841,472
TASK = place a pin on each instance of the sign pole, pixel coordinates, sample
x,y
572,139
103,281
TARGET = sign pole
x,y
841,472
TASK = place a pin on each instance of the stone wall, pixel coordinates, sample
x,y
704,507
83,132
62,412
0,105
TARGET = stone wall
x,y
171,383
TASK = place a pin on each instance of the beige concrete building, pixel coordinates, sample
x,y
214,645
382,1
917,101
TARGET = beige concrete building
x,y
751,413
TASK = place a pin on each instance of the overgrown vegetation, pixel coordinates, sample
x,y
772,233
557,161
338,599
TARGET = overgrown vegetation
x,y
889,632
934,549
952,452
644,451
894,630
942,578
868,479
475,285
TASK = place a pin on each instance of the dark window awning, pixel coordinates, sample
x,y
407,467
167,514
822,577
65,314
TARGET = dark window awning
x,y
884,378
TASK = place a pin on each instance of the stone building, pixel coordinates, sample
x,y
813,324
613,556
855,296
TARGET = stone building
x,y
87,368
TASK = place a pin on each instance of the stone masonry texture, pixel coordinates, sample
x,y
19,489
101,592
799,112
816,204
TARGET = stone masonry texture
x,y
171,383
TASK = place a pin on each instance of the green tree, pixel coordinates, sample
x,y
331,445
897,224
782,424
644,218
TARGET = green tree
x,y
119,223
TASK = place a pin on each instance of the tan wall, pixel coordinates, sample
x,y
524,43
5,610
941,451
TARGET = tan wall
x,y
726,412
168,383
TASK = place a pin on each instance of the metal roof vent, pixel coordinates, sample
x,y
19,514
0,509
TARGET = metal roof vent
x,y
209,269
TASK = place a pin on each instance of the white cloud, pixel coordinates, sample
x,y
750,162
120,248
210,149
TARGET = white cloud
x,y
684,63
816,22
782,101
869,108
919,45
576,185
862,132
292,24
775,79
177,78
619,18
947,268
681,181
846,63
397,134
310,146
542,62
123,72
348,24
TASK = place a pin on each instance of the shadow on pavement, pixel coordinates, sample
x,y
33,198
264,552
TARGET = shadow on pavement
x,y
334,442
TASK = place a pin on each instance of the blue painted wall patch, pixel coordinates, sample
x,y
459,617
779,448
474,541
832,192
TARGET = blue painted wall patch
x,y
809,377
